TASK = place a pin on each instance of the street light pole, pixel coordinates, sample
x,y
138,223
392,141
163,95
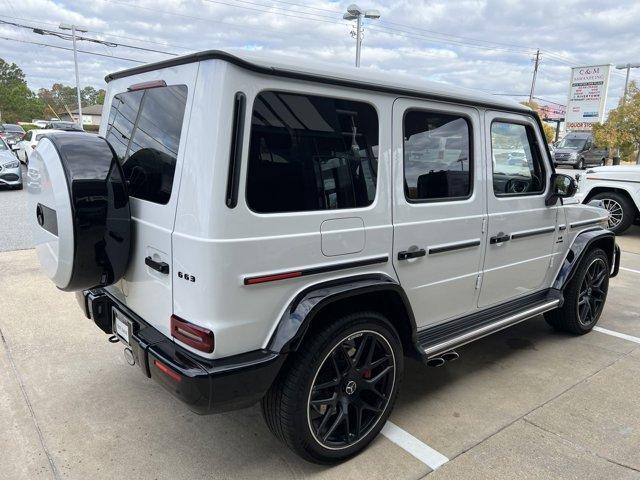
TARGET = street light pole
x,y
358,39
354,12
75,29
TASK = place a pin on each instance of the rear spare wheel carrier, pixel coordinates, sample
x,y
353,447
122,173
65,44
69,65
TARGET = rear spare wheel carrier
x,y
79,210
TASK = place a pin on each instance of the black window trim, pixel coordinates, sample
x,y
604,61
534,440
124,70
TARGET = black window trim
x,y
472,159
308,92
235,151
525,124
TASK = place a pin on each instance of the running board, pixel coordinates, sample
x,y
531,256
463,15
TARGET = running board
x,y
455,333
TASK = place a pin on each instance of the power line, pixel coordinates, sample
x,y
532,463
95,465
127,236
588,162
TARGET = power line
x,y
100,32
65,36
67,48
278,13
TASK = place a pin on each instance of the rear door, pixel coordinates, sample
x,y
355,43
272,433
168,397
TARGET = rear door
x,y
522,229
439,207
146,127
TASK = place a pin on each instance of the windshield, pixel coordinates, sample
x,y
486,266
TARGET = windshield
x,y
13,128
572,143
3,146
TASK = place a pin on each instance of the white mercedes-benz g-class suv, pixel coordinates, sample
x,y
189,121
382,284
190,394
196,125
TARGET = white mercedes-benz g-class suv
x,y
261,230
618,188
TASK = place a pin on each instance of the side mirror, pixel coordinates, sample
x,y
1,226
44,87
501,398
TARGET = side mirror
x,y
562,186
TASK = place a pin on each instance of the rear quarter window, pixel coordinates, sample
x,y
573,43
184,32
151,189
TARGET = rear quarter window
x,y
311,153
144,129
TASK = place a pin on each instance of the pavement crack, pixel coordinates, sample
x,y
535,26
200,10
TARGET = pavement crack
x,y
52,465
578,446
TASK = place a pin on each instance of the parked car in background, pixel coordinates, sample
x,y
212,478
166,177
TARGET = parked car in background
x,y
579,151
61,125
29,142
10,171
11,134
618,187
39,123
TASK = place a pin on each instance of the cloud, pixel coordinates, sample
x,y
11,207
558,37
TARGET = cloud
x,y
481,44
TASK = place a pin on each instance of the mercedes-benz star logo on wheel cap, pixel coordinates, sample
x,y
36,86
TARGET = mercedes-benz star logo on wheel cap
x,y
350,388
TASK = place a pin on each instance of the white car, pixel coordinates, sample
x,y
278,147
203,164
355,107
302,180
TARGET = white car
x,y
29,142
251,229
618,188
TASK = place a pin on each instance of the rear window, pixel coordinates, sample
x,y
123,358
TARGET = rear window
x,y
144,130
311,153
13,128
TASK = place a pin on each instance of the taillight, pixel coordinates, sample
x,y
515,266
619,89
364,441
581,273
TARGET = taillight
x,y
192,335
167,371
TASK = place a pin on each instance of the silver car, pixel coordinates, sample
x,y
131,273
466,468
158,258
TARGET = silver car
x,y
10,171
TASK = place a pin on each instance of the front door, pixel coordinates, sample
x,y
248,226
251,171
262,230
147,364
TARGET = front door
x,y
522,229
439,207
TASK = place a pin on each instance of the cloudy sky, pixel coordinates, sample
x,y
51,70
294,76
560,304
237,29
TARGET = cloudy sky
x,y
482,44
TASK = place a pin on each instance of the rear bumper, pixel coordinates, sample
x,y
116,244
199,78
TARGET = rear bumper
x,y
206,386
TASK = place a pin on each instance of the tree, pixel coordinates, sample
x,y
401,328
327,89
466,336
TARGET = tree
x,y
17,102
62,97
622,128
549,131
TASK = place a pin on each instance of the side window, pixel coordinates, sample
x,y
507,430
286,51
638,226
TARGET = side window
x,y
144,130
311,153
517,165
27,136
437,163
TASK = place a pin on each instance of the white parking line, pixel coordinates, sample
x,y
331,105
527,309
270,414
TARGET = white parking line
x,y
415,447
629,270
617,334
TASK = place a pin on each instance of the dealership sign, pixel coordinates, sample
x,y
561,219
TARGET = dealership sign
x,y
587,96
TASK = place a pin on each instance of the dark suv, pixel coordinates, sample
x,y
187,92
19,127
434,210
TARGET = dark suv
x,y
579,151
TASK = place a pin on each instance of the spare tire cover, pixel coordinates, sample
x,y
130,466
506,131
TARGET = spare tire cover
x,y
79,210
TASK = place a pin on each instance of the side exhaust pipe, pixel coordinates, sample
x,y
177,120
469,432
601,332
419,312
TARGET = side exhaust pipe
x,y
440,360
450,356
436,362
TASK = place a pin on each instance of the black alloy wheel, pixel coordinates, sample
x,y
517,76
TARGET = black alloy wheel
x,y
351,389
592,293
336,391
584,296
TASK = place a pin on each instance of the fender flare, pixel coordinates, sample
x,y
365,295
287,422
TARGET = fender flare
x,y
581,244
298,315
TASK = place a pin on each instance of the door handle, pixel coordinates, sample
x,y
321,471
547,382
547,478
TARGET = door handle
x,y
500,238
161,267
406,254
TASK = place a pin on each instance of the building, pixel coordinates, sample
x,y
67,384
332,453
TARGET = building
x,y
91,115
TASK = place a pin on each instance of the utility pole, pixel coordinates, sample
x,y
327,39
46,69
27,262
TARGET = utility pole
x,y
74,29
354,12
627,67
536,61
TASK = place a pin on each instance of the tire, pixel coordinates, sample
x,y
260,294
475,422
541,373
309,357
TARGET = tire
x,y
589,284
18,187
331,365
620,208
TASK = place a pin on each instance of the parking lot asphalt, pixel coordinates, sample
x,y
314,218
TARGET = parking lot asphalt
x,y
15,233
527,402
